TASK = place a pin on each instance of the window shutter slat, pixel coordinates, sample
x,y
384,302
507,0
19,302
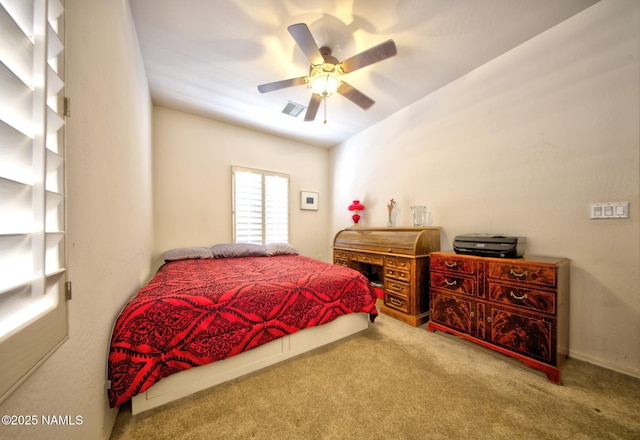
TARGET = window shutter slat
x,y
15,200
16,103
15,261
15,154
16,48
21,12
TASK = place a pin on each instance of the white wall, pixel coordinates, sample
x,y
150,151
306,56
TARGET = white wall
x,y
521,146
192,159
109,218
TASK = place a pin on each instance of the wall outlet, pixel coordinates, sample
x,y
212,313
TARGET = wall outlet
x,y
609,210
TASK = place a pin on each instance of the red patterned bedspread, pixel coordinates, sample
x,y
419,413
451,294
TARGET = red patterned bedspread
x,y
194,312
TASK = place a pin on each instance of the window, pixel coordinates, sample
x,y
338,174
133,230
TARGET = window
x,y
33,321
260,206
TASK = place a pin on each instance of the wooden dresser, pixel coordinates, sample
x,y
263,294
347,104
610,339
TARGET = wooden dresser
x,y
396,259
518,306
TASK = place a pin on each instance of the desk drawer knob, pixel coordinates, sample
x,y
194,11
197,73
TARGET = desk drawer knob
x,y
454,264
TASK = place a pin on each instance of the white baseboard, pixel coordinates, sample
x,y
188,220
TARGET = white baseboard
x,y
604,364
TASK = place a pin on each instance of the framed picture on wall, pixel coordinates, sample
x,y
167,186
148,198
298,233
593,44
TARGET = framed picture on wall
x,y
309,200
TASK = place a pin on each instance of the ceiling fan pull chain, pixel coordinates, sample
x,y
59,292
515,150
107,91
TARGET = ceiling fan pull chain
x,y
325,109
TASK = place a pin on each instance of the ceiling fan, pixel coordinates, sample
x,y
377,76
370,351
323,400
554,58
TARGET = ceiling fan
x,y
326,72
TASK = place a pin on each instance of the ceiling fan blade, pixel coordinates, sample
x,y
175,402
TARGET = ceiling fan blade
x,y
302,35
270,87
312,109
377,53
355,96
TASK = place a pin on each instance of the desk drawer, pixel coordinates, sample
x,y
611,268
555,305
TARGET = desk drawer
x,y
398,263
397,274
397,287
377,260
396,302
340,255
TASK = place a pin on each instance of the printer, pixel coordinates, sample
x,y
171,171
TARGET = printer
x,y
488,245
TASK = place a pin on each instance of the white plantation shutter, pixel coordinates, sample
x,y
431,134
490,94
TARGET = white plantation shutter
x,y
248,207
260,206
276,203
32,220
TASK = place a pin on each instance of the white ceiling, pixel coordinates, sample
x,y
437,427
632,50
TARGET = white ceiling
x,y
207,57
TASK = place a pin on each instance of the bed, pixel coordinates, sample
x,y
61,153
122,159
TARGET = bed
x,y
228,310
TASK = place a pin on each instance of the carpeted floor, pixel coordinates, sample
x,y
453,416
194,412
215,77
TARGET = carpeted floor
x,y
394,381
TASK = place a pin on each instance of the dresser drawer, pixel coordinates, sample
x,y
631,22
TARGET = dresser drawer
x,y
528,334
452,264
543,275
396,302
454,311
397,287
398,263
377,260
532,299
453,283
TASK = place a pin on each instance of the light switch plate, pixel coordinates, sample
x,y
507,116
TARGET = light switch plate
x,y
609,210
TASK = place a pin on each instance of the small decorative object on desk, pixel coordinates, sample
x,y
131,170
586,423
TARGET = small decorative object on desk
x,y
419,215
390,206
356,207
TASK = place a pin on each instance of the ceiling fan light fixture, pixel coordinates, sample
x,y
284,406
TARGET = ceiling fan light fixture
x,y
324,83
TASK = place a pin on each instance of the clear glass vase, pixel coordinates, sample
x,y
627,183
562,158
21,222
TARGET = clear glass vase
x,y
419,214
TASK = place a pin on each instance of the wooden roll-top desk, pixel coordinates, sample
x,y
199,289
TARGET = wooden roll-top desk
x,y
396,260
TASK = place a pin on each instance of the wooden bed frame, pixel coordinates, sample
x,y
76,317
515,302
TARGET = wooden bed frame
x,y
197,379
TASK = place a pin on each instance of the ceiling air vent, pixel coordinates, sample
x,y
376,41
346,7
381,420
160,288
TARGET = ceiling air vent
x,y
292,109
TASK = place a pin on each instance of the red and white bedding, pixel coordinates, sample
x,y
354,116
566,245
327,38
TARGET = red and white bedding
x,y
197,311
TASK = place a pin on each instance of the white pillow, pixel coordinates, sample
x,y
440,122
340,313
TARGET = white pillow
x,y
281,249
232,250
187,253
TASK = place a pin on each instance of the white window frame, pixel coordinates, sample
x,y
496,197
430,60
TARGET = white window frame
x,y
266,218
33,309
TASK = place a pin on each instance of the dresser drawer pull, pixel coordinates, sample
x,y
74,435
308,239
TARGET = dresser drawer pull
x,y
451,283
519,275
489,319
513,295
454,264
395,286
395,302
365,258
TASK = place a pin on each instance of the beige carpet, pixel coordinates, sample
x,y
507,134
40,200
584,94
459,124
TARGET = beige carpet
x,y
394,381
